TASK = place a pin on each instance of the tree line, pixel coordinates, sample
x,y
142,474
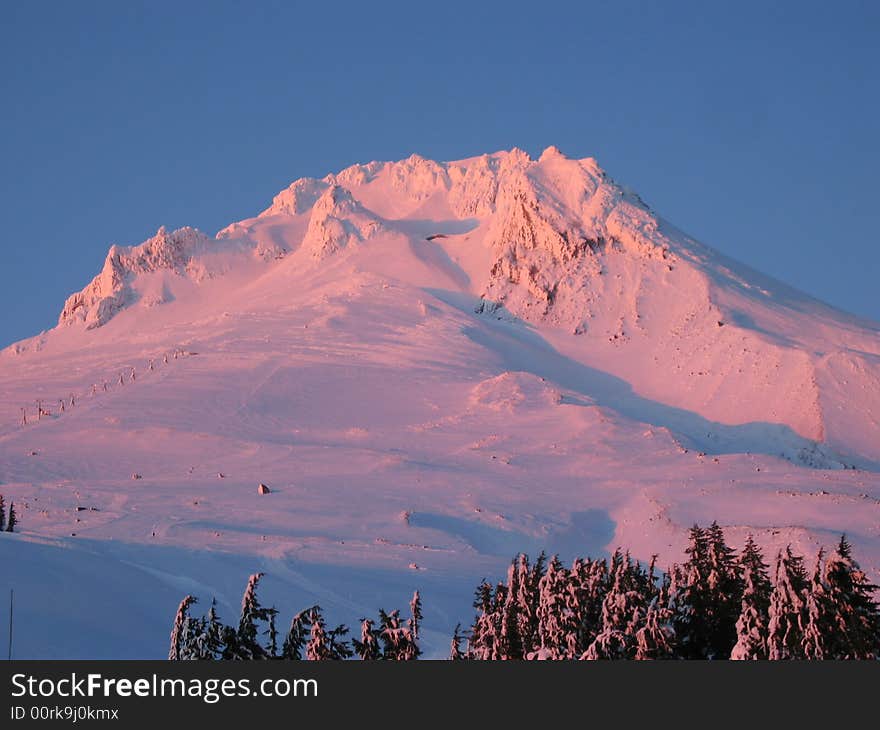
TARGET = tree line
x,y
717,604
308,637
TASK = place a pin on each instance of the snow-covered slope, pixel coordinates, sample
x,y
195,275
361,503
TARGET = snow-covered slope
x,y
429,362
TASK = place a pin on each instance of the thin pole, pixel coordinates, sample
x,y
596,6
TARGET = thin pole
x,y
10,625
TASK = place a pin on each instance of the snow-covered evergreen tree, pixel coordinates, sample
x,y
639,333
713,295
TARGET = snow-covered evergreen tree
x,y
177,648
622,611
248,645
674,582
415,611
527,598
590,582
655,638
2,514
751,625
692,594
557,624
195,639
398,642
725,587
318,645
324,645
483,639
12,518
297,635
510,645
853,630
787,612
818,612
368,646
210,642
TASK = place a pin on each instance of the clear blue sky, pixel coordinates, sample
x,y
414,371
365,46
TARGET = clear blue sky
x,y
752,126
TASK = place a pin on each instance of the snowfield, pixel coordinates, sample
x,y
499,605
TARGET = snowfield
x,y
433,366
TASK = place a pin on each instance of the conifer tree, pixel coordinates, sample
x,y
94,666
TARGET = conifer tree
x,y
590,583
194,637
751,625
817,610
725,586
297,635
639,597
693,596
415,610
230,644
557,625
510,644
655,638
2,514
621,611
368,646
318,646
483,639
575,605
12,519
504,644
529,579
854,618
787,612
179,628
210,645
455,653
674,582
200,638
324,645
339,647
272,633
251,612
398,642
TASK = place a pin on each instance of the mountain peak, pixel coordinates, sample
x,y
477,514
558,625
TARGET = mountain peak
x,y
551,152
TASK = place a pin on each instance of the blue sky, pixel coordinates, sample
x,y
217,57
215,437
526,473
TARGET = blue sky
x,y
752,126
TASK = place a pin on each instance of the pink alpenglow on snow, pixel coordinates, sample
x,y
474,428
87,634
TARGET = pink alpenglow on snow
x,y
516,354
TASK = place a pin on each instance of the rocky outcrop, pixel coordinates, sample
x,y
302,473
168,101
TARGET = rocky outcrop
x,y
337,221
109,292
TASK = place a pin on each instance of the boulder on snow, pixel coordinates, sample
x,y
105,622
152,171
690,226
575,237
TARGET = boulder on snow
x,y
263,489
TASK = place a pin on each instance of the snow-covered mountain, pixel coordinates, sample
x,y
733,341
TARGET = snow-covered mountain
x,y
428,362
